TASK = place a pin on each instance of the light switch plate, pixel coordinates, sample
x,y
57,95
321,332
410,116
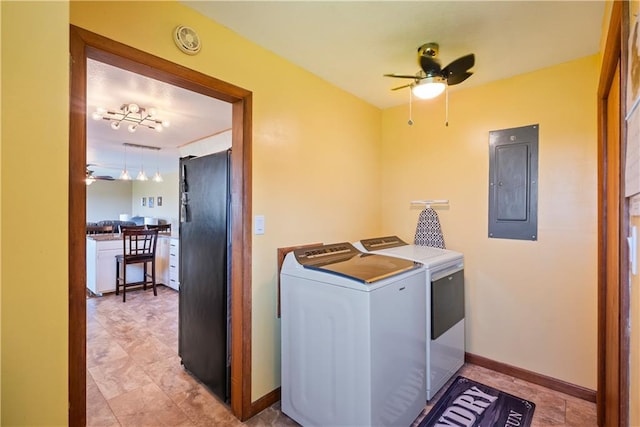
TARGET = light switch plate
x,y
633,250
258,225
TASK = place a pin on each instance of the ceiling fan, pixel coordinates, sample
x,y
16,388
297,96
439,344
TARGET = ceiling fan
x,y
90,178
432,79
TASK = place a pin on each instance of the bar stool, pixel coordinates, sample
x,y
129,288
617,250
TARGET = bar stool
x,y
139,247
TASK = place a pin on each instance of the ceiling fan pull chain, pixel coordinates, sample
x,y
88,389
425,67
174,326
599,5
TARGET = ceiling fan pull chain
x,y
446,106
410,122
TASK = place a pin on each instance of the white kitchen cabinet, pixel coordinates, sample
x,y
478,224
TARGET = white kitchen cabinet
x,y
174,263
101,264
162,260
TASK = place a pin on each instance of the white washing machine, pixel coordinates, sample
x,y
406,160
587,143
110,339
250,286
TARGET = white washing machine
x,y
444,306
353,339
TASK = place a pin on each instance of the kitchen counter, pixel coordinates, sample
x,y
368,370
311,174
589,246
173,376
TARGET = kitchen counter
x,y
104,237
114,236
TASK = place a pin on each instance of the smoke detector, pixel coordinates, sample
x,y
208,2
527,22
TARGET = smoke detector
x,y
187,39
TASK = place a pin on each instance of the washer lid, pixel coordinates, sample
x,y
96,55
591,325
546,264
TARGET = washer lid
x,y
345,260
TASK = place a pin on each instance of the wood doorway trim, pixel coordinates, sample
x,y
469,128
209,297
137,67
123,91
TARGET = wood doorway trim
x,y
85,44
613,225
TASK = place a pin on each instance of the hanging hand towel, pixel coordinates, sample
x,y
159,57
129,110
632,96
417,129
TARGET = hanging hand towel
x,y
428,231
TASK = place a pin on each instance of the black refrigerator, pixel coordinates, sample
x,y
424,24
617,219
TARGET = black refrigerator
x,y
204,323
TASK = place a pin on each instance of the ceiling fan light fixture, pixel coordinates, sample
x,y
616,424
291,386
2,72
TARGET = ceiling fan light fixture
x,y
429,87
89,178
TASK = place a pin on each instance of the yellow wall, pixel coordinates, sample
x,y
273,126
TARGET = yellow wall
x,y
528,304
34,159
301,126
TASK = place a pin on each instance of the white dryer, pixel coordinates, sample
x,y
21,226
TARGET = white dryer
x,y
444,305
353,350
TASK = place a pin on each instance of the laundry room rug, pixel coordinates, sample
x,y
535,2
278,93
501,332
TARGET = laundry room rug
x,y
471,404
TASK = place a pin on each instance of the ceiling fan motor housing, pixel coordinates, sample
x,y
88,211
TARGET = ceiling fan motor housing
x,y
428,49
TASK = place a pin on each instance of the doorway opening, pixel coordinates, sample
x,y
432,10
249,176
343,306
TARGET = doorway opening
x,y
85,45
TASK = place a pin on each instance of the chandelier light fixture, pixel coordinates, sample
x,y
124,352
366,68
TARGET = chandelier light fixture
x,y
132,114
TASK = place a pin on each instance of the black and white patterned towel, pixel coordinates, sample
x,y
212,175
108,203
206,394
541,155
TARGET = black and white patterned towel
x,y
428,231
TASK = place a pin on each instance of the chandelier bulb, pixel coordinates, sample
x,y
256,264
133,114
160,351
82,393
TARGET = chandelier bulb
x,y
96,115
158,128
134,108
132,128
166,123
152,112
115,125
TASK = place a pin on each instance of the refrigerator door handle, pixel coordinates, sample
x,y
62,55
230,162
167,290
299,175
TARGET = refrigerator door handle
x,y
184,207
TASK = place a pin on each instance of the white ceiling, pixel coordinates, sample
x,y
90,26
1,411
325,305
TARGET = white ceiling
x,y
353,43
350,44
192,116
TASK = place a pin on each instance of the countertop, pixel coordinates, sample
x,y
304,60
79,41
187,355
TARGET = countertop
x,y
114,236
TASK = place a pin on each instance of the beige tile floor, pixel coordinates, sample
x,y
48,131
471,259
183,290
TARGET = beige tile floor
x,y
134,376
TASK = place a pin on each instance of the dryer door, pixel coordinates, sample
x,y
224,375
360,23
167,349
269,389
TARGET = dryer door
x,y
447,303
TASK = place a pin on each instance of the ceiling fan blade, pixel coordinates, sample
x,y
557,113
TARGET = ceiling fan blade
x,y
429,65
400,76
402,87
454,79
459,66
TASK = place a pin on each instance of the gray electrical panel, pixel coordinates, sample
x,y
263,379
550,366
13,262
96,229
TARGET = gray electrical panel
x,y
513,183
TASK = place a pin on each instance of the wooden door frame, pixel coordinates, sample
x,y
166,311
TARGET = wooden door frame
x,y
85,44
614,54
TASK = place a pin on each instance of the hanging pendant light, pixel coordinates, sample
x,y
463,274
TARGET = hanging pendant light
x,y
124,175
157,177
141,175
